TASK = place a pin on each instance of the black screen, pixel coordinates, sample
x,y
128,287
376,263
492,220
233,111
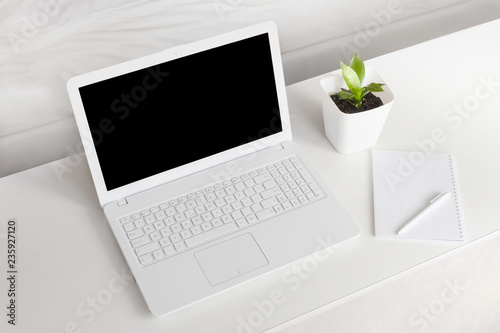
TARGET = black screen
x,y
158,118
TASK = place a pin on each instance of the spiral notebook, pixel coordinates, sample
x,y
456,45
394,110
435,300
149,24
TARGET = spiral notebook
x,y
403,185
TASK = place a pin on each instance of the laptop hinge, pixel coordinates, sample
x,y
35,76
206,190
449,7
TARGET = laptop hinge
x,y
122,202
279,147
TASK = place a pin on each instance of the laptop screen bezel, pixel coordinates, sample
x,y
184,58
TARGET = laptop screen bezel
x,y
107,196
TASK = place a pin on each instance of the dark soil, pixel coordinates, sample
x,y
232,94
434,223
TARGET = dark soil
x,y
370,102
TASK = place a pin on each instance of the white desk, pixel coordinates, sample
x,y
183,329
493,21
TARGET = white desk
x,y
72,277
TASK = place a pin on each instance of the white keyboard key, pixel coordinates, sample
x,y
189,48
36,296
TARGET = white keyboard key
x,y
281,197
215,232
166,231
256,198
141,250
147,258
191,204
149,229
135,233
318,193
220,202
176,228
249,192
197,220
175,238
287,205
251,218
165,242
226,218
236,215
241,222
206,226
246,211
230,189
170,211
265,213
158,254
227,209
150,219
237,205
269,202
217,212
187,224
139,223
155,235
211,196
196,230
186,233
270,184
169,221
125,219
249,182
210,206
307,177
256,207
128,226
179,246
180,217
159,225
271,192
190,213
217,222
239,186
160,215
200,210
313,186
169,250
278,209
262,178
207,216
180,208
258,188
230,198
247,201
140,241
201,200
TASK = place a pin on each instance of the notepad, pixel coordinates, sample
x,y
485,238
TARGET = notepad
x,y
403,185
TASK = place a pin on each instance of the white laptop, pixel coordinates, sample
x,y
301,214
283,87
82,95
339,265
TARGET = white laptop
x,y
191,153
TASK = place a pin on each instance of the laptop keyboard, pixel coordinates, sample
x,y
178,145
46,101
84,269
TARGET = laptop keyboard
x,y
180,223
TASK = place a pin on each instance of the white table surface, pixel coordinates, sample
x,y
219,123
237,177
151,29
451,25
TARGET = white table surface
x,y
72,277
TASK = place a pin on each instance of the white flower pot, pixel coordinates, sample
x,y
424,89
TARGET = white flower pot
x,y
351,132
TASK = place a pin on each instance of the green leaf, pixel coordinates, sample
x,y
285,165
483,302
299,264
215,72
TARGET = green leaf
x,y
350,78
359,67
365,92
374,87
345,95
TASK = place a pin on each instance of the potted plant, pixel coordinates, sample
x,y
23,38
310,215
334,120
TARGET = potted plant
x,y
356,122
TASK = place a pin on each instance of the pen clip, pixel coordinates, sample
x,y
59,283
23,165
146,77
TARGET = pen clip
x,y
439,195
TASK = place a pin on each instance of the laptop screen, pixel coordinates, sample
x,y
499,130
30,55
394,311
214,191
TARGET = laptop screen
x,y
162,117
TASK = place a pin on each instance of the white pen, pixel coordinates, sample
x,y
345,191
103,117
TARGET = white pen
x,y
433,204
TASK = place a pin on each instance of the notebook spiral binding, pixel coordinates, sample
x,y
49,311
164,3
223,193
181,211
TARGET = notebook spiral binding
x,y
456,193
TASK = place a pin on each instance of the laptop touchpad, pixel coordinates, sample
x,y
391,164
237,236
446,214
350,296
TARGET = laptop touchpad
x,y
230,259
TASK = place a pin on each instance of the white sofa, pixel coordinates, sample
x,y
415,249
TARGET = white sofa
x,y
46,42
